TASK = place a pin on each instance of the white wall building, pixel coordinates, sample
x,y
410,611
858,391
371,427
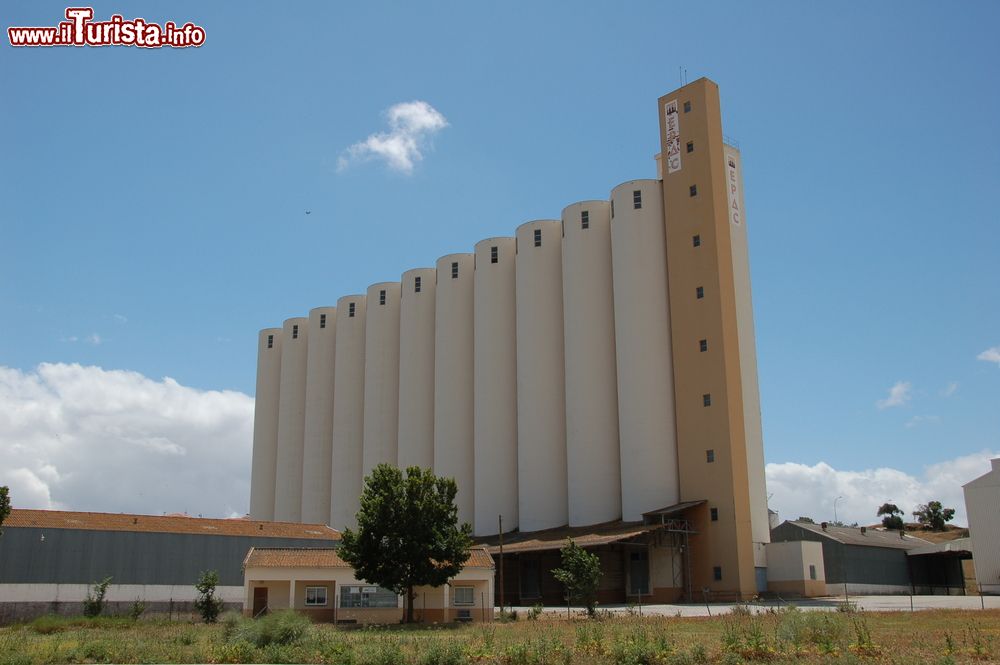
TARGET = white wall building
x,y
982,504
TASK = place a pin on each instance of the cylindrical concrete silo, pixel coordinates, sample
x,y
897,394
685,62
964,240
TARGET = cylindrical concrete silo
x,y
381,376
592,454
291,421
647,433
317,447
453,378
495,391
416,368
265,424
541,381
348,411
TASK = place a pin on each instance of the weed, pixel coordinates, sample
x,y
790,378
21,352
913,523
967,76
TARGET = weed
x,y
535,612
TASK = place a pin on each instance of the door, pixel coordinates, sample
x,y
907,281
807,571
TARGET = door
x,y
259,600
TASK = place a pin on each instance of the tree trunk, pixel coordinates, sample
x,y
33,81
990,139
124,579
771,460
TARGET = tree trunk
x,y
409,604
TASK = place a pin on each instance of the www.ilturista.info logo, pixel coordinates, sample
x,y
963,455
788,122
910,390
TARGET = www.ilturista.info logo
x,y
80,30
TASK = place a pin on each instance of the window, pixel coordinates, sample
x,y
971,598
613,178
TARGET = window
x,y
693,190
315,596
538,237
416,285
270,341
494,255
322,320
703,345
454,270
637,199
585,219
812,571
710,455
295,331
717,573
706,399
714,512
464,595
638,572
690,146
696,241
381,297
687,107
529,578
367,596
612,210
350,310
699,292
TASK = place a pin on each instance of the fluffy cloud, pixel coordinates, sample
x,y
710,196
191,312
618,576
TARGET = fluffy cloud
x,y
86,438
991,355
899,395
411,126
950,389
799,489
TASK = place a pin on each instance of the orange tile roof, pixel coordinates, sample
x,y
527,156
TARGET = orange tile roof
x,y
58,519
554,539
327,557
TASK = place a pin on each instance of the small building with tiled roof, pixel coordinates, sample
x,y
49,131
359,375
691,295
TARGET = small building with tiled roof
x,y
318,583
48,558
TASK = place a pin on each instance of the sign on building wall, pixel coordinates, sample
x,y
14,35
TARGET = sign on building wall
x,y
733,190
673,136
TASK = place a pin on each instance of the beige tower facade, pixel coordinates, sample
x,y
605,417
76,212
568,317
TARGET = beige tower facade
x,y
593,370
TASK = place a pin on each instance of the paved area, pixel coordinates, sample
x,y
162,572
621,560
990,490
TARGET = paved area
x,y
867,603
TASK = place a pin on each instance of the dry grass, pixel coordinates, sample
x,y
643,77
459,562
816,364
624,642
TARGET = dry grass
x,y
938,636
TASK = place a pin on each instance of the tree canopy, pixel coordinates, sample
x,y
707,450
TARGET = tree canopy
x,y
580,573
892,516
933,515
408,533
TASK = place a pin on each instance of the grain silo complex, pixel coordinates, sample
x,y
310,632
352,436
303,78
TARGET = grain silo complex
x,y
592,376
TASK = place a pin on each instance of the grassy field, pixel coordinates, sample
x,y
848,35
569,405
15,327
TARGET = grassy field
x,y
945,636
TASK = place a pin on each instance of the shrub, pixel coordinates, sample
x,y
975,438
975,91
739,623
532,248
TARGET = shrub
x,y
137,609
206,603
437,653
535,612
93,604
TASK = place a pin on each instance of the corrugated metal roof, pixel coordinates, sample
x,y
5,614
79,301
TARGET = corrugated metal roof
x,y
327,557
871,538
554,539
675,509
956,545
58,519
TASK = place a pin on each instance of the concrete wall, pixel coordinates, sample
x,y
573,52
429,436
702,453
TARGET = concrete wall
x,y
982,496
788,568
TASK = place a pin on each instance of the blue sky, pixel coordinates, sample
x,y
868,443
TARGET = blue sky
x,y
152,202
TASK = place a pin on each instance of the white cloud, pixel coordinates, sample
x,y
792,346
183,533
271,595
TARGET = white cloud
x,y
86,438
923,420
990,355
94,338
411,126
950,389
799,489
899,395
120,318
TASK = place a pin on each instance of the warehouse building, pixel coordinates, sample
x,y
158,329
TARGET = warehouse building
x,y
982,496
49,559
589,372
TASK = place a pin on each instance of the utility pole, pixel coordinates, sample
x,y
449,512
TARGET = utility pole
x,y
500,521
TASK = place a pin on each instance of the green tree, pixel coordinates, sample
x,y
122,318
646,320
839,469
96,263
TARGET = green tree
x,y
206,603
93,604
4,505
580,574
408,533
806,520
933,515
892,516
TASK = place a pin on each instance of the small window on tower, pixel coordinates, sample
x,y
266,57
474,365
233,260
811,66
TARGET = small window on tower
x,y
295,332
717,573
709,455
637,199
715,514
454,270
703,345
416,284
687,107
612,210
538,237
690,146
700,292
350,310
696,241
812,571
494,254
693,190
322,320
706,399
381,297
270,341
584,219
